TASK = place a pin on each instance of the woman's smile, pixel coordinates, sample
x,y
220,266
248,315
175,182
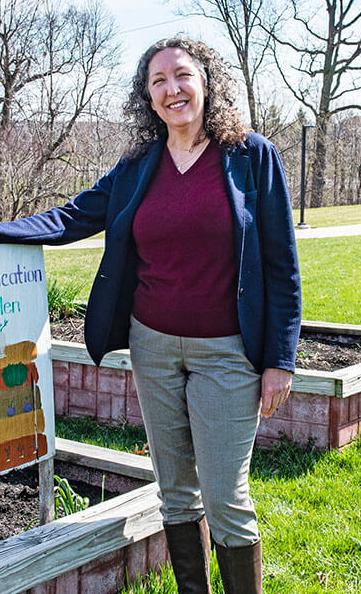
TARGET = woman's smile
x,y
177,105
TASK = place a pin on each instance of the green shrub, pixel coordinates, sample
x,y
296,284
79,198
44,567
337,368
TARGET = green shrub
x,y
63,300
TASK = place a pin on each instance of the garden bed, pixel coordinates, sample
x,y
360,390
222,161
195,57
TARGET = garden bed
x,y
92,551
324,406
19,498
316,350
90,476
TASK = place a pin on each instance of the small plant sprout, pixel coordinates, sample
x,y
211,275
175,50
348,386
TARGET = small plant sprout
x,y
66,500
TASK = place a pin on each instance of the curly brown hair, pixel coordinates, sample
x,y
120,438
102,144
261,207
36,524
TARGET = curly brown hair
x,y
222,121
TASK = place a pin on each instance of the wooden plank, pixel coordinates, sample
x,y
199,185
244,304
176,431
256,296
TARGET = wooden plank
x,y
331,328
313,381
74,352
340,383
105,459
46,491
44,553
350,379
351,386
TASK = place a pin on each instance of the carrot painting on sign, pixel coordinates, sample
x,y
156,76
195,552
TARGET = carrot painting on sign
x,y
26,390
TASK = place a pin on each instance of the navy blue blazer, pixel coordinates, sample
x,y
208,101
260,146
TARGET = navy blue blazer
x,y
268,293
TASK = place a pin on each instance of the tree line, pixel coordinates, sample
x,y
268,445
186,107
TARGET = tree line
x,y
315,46
60,95
59,73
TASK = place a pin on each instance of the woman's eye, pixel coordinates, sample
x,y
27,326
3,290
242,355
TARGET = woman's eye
x,y
185,74
157,80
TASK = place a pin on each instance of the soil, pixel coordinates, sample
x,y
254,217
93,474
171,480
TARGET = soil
x,y
19,500
328,352
315,350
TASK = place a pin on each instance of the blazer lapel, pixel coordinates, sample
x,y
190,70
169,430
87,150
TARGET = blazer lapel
x,y
142,177
147,166
236,165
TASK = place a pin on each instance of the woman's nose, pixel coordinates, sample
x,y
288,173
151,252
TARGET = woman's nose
x,y
172,87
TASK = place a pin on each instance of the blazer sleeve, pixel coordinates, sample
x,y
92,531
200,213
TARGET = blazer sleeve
x,y
79,218
280,263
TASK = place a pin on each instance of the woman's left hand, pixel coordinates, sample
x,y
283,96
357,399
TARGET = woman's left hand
x,y
276,387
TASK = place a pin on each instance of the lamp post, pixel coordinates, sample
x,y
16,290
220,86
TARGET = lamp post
x,y
302,223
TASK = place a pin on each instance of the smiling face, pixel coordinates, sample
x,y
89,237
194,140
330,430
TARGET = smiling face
x,y
177,90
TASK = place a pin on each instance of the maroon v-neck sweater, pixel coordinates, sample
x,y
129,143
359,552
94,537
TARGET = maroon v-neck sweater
x,y
183,232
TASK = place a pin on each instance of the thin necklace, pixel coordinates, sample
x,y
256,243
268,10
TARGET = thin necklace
x,y
195,152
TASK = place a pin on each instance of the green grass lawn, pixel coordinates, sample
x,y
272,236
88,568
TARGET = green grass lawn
x,y
308,506
330,267
73,266
330,216
331,279
126,439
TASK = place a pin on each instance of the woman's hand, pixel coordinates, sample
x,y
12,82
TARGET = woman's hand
x,y
276,387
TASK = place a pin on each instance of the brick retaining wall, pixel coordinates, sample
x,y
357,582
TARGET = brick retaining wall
x,y
108,395
331,422
105,394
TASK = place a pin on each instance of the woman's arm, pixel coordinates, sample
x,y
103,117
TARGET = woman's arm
x,y
280,264
79,218
281,276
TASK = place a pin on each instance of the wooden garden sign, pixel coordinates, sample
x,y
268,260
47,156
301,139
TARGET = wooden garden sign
x,y
26,384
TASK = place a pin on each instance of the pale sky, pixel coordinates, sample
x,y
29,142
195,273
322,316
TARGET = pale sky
x,y
154,19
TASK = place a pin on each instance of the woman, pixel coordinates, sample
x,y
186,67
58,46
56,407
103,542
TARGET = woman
x,y
200,278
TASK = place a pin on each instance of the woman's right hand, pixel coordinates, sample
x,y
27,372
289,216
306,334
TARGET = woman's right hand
x,y
275,389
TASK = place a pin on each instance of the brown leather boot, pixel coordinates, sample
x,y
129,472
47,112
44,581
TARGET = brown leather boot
x,y
241,568
189,548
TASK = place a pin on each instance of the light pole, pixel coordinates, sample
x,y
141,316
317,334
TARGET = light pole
x,y
302,223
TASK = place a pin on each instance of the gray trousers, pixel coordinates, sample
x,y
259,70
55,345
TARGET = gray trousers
x,y
200,399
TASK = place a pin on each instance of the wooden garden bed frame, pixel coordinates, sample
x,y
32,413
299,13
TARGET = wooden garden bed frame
x,y
86,550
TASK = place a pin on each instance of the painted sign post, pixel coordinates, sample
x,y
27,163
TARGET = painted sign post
x,y
26,383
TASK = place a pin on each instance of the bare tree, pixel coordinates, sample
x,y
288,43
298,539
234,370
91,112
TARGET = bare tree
x,y
240,19
329,67
56,67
